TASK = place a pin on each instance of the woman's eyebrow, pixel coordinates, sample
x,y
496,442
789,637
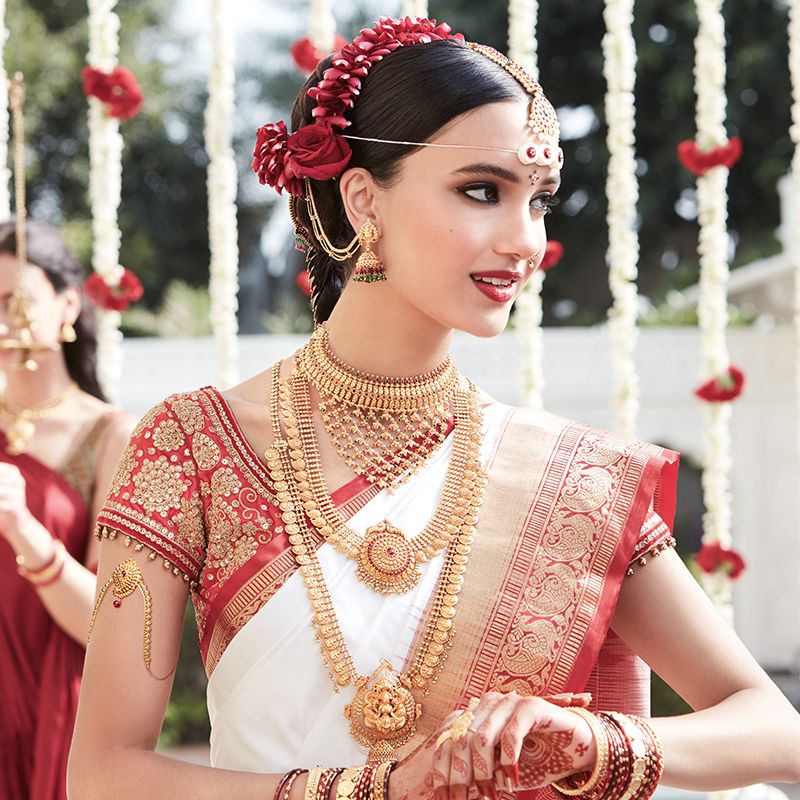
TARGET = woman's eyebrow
x,y
501,172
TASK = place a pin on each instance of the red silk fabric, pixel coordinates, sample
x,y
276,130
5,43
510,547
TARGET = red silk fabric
x,y
40,666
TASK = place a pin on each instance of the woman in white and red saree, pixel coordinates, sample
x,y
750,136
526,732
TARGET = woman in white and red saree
x,y
394,575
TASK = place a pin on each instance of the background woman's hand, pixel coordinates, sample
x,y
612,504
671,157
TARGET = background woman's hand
x,y
14,512
514,743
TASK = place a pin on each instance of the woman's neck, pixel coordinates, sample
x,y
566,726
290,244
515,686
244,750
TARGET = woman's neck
x,y
25,389
384,339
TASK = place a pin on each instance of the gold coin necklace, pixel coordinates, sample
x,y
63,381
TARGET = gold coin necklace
x,y
22,419
384,711
386,560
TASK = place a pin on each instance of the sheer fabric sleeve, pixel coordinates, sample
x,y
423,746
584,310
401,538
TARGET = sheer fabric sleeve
x,y
155,498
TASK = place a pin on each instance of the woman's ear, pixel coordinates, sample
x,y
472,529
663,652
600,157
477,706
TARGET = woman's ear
x,y
359,192
72,304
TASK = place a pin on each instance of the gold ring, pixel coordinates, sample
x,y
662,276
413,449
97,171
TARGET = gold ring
x,y
461,725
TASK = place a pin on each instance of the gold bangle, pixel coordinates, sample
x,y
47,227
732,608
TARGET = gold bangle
x,y
312,782
348,783
601,762
379,783
49,571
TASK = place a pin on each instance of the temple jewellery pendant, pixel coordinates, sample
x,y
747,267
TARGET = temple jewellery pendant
x,y
383,715
386,562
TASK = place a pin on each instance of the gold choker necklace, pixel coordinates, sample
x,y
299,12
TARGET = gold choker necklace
x,y
385,710
384,428
22,419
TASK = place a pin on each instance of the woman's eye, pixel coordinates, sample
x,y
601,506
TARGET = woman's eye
x,y
544,202
483,193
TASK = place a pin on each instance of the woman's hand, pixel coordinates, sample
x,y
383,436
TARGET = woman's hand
x,y
14,513
514,743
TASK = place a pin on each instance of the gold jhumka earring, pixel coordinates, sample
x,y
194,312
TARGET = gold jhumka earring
x,y
369,267
68,334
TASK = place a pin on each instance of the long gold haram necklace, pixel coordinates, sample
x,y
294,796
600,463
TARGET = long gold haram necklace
x,y
384,428
384,711
23,419
386,560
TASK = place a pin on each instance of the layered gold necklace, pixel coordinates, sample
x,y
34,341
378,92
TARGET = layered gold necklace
x,y
22,419
386,560
384,712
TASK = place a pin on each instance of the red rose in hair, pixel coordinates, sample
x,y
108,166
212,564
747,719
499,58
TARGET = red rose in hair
x,y
315,151
303,282
552,255
698,162
723,389
306,56
116,298
716,558
118,89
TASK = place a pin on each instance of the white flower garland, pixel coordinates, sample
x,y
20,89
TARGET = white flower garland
x,y
794,73
622,191
321,25
5,172
522,48
105,191
712,201
221,182
415,8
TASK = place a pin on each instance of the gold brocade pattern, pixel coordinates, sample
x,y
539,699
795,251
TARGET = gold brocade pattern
x,y
562,564
158,485
168,436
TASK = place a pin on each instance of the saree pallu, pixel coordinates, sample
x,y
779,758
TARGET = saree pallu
x,y
40,666
566,507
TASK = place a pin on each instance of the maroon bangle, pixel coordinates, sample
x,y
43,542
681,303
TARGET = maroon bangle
x,y
285,784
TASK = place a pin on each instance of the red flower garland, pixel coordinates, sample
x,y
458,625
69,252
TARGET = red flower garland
x,y
699,162
116,298
306,56
118,89
714,558
317,151
553,253
723,389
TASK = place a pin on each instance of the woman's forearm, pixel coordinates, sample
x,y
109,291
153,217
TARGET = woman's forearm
x,y
751,737
69,598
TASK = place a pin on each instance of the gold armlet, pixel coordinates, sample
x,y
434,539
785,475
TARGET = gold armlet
x,y
567,786
652,553
124,581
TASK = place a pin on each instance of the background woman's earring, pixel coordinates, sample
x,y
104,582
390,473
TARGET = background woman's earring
x,y
68,332
369,267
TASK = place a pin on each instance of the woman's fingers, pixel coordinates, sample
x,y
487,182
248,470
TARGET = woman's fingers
x,y
491,717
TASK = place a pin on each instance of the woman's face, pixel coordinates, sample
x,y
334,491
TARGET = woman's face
x,y
459,226
50,309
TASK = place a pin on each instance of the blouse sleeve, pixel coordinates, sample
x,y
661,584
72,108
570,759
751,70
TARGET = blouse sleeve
x,y
155,499
654,537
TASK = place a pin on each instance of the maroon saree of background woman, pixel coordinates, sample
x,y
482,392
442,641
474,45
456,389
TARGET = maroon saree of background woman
x,y
40,666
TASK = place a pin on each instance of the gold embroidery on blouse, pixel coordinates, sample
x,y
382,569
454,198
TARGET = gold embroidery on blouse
x,y
158,485
168,436
189,412
206,451
224,483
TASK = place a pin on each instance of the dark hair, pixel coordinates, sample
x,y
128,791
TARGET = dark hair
x,y
409,95
46,249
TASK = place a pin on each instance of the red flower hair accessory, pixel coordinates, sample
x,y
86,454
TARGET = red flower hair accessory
x,y
116,298
553,253
723,389
306,56
118,89
698,162
714,558
317,151
303,282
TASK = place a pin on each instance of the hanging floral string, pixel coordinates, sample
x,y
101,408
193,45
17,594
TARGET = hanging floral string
x,y
522,46
222,224
794,74
622,191
415,8
113,94
5,172
710,157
